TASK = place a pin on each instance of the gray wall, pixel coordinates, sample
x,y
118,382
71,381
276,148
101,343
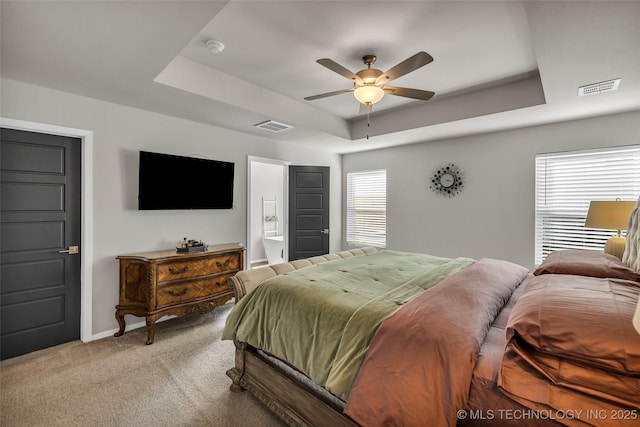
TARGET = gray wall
x,y
494,214
492,217
119,133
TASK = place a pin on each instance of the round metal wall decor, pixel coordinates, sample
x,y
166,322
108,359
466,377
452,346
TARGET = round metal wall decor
x,y
447,180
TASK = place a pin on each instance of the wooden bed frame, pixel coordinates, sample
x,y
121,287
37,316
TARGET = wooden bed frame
x,y
292,401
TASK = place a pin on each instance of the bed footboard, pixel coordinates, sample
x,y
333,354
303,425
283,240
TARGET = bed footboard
x,y
247,280
292,402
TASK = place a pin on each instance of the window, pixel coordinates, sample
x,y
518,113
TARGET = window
x,y
367,208
567,182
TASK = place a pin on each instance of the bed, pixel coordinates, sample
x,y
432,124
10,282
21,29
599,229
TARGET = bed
x,y
434,341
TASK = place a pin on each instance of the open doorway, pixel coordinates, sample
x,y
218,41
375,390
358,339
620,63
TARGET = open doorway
x,y
267,211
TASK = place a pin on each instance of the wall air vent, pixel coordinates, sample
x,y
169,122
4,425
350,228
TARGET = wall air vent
x,y
594,88
273,126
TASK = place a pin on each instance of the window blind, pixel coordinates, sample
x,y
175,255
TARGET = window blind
x,y
367,208
567,182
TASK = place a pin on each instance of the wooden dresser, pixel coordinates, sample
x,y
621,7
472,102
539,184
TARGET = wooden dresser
x,y
156,284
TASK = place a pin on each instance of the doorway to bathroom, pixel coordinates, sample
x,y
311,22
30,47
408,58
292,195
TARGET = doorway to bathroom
x,y
267,211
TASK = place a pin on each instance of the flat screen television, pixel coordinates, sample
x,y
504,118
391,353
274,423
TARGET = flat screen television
x,y
176,182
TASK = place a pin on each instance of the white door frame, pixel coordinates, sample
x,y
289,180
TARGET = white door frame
x,y
86,242
285,228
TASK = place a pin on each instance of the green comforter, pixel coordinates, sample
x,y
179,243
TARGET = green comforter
x,y
322,318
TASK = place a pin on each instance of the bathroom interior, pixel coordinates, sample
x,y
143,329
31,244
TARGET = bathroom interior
x,y
268,206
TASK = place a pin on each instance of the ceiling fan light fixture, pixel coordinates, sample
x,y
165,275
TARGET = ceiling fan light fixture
x,y
369,85
368,94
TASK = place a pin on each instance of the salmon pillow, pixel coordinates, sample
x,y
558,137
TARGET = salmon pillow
x,y
586,263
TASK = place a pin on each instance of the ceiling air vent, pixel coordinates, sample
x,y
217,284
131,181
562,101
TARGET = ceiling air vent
x,y
273,126
594,88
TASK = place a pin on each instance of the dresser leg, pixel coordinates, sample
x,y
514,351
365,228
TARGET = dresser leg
x,y
151,331
121,323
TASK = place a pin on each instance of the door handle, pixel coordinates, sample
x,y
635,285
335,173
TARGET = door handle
x,y
325,231
71,251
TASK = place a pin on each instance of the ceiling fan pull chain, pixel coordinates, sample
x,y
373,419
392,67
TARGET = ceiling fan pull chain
x,y
368,123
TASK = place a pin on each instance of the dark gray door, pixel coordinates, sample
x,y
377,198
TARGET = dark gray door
x,y
308,211
40,219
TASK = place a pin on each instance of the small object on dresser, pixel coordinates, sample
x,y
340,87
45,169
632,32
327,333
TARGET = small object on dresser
x,y
186,246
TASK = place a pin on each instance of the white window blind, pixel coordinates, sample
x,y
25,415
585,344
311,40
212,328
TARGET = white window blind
x,y
567,182
367,208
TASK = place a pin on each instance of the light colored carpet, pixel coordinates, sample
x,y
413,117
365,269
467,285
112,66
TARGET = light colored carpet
x,y
178,381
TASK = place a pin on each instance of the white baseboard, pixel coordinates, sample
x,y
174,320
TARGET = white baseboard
x,y
129,327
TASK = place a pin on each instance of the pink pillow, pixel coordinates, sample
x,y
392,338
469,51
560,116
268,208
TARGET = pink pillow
x,y
586,263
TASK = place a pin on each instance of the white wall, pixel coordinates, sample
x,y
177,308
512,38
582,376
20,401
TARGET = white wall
x,y
119,133
494,214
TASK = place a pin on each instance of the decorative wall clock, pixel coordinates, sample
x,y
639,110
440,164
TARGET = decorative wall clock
x,y
447,180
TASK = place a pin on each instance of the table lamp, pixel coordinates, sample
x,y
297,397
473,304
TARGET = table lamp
x,y
611,215
636,317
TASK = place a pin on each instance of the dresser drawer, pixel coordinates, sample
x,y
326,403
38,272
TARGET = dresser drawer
x,y
192,289
186,269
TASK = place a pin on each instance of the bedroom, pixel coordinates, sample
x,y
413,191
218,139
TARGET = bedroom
x,y
125,116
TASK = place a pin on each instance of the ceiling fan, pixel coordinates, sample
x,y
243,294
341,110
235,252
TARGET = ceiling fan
x,y
369,84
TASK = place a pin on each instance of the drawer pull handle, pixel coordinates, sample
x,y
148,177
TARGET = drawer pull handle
x,y
219,284
178,270
178,294
225,264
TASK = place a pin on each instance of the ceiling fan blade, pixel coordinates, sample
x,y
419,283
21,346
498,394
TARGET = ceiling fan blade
x,y
325,95
423,95
337,68
410,64
365,108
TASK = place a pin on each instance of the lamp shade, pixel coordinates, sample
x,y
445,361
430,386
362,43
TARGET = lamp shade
x,y
368,94
611,215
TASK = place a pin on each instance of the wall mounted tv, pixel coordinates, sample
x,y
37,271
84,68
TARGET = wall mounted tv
x,y
177,182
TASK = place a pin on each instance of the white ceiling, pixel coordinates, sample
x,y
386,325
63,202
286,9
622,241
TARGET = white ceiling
x,y
497,64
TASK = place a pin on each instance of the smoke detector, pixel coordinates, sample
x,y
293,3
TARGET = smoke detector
x,y
215,46
594,88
